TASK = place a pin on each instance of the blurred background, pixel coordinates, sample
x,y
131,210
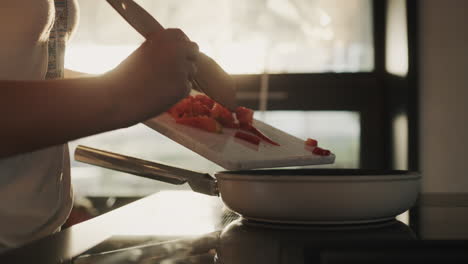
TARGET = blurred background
x,y
382,83
250,39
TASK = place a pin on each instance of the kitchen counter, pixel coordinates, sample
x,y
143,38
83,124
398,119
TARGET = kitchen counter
x,y
183,227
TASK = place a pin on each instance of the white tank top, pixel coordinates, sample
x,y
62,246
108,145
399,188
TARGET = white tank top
x,y
35,192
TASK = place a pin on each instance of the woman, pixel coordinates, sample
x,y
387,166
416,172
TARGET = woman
x,y
40,116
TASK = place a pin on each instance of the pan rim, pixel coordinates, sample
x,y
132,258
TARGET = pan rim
x,y
322,171
332,175
343,179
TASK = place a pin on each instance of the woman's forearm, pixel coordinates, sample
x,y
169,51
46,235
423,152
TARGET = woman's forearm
x,y
37,114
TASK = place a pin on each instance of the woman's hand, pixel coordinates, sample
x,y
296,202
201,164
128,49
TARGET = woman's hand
x,y
155,76
38,114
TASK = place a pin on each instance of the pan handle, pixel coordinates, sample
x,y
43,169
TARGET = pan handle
x,y
199,182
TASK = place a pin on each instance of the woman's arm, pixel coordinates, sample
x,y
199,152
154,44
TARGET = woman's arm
x,y
37,114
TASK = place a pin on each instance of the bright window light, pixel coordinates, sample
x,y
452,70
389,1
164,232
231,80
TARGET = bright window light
x,y
176,213
143,142
243,36
397,38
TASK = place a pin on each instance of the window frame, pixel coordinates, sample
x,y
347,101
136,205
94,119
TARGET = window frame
x,y
377,95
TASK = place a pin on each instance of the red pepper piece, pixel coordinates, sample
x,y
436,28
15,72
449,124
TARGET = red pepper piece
x,y
224,116
205,100
182,108
311,142
321,152
199,109
258,133
244,115
247,137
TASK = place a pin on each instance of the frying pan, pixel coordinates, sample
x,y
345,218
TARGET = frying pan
x,y
292,196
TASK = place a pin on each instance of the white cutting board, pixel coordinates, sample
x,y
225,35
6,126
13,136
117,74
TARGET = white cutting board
x,y
235,154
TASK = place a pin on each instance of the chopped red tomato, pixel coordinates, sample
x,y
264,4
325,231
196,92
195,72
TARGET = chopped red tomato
x,y
321,152
199,109
247,137
189,106
205,100
223,116
182,108
202,112
202,122
258,133
244,115
311,142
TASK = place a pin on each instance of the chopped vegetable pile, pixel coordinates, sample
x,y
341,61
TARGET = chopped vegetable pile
x,y
204,113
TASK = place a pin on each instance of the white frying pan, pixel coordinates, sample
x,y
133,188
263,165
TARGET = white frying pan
x,y
294,196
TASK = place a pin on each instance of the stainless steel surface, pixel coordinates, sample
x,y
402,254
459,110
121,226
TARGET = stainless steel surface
x,y
210,78
199,182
